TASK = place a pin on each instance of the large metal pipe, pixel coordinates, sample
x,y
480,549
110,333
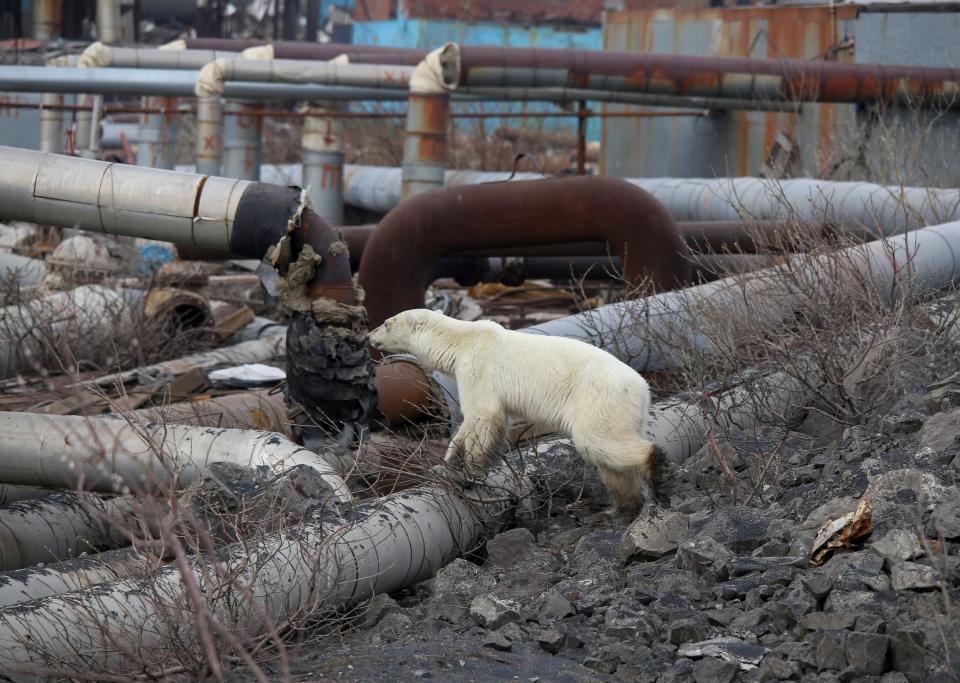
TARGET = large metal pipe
x,y
242,135
68,451
668,74
330,562
919,261
425,143
397,260
212,76
47,19
323,164
109,26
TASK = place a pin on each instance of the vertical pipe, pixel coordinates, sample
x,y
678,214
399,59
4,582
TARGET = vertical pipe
x,y
47,19
323,164
109,27
582,113
157,143
242,128
93,148
209,135
51,123
425,145
81,130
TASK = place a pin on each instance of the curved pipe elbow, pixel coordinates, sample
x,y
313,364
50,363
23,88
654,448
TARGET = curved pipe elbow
x,y
398,258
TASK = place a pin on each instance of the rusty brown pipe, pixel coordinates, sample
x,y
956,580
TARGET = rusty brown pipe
x,y
700,236
285,49
398,257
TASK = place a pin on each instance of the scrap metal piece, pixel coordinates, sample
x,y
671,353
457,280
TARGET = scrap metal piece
x,y
842,533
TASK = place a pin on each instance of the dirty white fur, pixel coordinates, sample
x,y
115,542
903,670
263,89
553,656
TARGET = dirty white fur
x,y
561,385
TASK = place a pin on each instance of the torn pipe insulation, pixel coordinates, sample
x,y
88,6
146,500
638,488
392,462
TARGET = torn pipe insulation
x,y
329,371
792,80
62,526
400,254
328,562
113,456
428,114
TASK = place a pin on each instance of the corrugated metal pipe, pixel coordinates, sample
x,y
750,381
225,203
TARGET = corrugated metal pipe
x,y
399,255
328,370
667,74
425,144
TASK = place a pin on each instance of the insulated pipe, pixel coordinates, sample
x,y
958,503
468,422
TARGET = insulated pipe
x,y
859,208
112,456
323,164
425,144
156,141
242,135
171,83
668,74
99,55
209,141
82,123
921,261
60,527
211,78
47,19
263,410
328,563
109,26
51,123
400,254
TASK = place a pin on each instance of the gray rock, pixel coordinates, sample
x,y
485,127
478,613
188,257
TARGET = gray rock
x,y
852,601
818,584
550,640
739,528
511,547
828,649
778,576
777,669
945,518
654,534
898,545
913,576
713,670
866,652
621,622
828,621
735,589
497,641
378,607
687,631
908,652
703,554
894,677
901,423
940,430
554,607
455,586
595,553
493,612
802,652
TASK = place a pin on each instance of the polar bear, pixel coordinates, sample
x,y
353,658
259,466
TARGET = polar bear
x,y
561,385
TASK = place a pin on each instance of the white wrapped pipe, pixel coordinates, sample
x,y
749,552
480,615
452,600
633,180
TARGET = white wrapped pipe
x,y
327,564
116,455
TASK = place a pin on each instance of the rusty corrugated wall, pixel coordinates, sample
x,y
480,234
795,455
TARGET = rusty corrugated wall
x,y
735,143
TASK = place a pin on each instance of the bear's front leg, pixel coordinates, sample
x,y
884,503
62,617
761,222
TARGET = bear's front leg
x,y
476,444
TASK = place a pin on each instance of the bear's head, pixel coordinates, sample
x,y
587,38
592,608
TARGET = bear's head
x,y
396,334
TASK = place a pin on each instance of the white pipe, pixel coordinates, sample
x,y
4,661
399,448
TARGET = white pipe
x,y
242,134
327,563
156,138
116,455
109,26
323,164
47,19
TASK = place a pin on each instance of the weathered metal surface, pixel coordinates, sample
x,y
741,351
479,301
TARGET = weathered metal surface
x,y
425,144
209,142
242,135
109,25
396,263
47,19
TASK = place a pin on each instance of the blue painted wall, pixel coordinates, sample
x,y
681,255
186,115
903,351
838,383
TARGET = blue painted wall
x,y
430,33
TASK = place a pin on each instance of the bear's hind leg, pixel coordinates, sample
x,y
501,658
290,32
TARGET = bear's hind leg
x,y
627,488
629,466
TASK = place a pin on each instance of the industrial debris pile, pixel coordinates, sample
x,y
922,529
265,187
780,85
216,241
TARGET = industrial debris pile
x,y
205,471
